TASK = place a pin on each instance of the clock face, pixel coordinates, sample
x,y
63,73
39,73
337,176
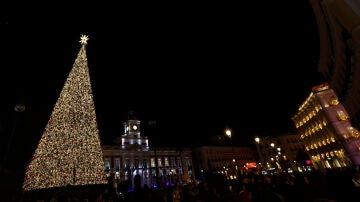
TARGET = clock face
x,y
134,127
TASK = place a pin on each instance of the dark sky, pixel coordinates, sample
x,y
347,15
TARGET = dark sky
x,y
195,69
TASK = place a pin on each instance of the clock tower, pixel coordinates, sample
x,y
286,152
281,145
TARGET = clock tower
x,y
132,128
132,139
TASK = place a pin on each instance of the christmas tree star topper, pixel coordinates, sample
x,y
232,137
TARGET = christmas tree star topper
x,y
83,39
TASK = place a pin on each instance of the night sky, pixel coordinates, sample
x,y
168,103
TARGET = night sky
x,y
194,69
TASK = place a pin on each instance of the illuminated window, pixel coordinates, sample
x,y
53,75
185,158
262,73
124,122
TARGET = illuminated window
x,y
316,128
333,100
107,164
353,132
342,116
179,163
127,163
117,164
144,164
136,163
320,126
152,162
166,161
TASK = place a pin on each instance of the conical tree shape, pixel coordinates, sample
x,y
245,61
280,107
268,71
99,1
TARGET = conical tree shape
x,y
69,151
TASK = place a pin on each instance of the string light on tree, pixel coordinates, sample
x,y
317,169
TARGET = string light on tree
x,y
69,151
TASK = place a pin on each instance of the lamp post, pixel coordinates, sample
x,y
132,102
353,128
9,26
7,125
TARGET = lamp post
x,y
228,133
18,108
276,152
272,153
259,150
152,124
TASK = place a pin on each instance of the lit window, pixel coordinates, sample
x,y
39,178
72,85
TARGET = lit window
x,y
342,116
152,162
144,164
333,100
117,164
107,164
353,132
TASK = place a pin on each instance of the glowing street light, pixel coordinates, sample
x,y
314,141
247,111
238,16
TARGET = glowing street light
x,y
228,133
259,150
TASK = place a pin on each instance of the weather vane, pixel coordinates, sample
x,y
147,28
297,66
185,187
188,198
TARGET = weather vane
x,y
83,39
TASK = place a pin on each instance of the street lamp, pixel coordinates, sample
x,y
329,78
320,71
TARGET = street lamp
x,y
18,108
152,124
228,133
259,150
277,153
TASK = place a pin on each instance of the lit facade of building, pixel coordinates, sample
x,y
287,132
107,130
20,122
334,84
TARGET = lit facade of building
x,y
135,158
224,159
326,131
339,60
280,152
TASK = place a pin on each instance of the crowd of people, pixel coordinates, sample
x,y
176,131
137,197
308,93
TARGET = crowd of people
x,y
314,186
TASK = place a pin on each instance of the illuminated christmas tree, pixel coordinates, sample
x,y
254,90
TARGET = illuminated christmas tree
x,y
69,151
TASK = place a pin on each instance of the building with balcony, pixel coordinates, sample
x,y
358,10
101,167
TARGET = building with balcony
x,y
325,128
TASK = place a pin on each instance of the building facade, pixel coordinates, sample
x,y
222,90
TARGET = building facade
x,y
134,159
223,159
326,131
280,153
